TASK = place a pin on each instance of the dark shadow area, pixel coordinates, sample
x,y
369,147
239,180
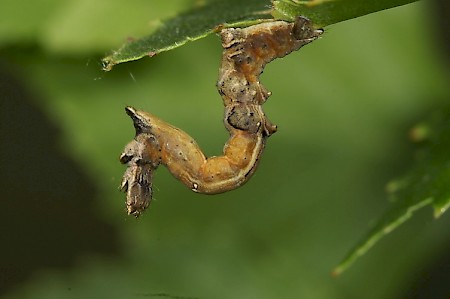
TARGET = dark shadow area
x,y
433,281
47,212
441,26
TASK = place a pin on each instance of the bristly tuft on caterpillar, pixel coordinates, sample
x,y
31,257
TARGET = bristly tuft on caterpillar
x,y
246,52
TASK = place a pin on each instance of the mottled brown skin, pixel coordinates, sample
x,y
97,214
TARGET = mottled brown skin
x,y
246,52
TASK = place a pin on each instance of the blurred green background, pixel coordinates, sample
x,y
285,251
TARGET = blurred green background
x,y
344,106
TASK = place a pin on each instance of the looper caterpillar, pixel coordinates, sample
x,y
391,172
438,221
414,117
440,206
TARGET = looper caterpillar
x,y
246,52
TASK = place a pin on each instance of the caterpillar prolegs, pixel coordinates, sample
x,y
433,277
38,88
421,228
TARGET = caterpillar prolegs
x,y
246,52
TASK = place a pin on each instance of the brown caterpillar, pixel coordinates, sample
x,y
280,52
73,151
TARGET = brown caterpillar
x,y
246,52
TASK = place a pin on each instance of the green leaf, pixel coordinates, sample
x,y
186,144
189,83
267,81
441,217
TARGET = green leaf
x,y
190,26
328,12
431,177
204,20
427,183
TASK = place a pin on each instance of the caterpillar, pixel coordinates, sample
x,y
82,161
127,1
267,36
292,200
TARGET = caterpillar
x,y
246,51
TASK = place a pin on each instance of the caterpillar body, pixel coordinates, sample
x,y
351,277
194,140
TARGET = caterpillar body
x,y
246,52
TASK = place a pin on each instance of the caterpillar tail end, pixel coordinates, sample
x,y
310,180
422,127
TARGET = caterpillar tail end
x,y
137,179
141,157
137,183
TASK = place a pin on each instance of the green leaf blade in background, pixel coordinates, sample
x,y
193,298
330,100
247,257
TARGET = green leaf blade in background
x,y
431,178
206,19
428,183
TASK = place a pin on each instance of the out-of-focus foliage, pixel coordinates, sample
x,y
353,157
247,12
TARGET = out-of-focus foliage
x,y
344,106
74,27
428,182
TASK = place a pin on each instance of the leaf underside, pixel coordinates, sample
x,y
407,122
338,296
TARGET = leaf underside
x,y
328,12
192,25
428,183
206,19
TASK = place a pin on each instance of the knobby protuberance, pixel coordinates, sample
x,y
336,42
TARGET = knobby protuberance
x,y
246,52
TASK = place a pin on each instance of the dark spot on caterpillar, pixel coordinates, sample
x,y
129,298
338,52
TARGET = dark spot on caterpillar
x,y
243,118
124,158
246,52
